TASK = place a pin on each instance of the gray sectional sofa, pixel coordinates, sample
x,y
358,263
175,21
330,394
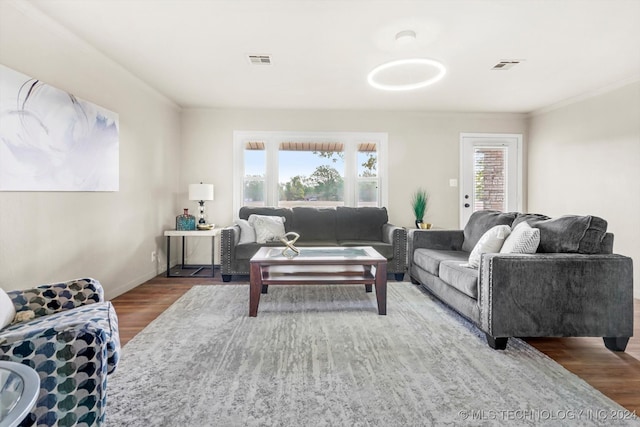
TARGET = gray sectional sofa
x,y
573,286
340,226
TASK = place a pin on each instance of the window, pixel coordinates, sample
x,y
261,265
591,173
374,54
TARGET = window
x,y
309,169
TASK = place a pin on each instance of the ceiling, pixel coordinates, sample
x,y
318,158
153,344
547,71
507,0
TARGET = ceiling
x,y
195,51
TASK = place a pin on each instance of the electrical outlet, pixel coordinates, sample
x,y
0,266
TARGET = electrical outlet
x,y
154,256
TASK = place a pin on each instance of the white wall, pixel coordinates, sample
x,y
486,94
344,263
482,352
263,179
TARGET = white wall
x,y
54,236
423,151
584,158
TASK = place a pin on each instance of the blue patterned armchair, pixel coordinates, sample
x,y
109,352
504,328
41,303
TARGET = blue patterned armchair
x,y
72,342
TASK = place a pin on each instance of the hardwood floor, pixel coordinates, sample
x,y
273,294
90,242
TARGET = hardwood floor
x,y
615,374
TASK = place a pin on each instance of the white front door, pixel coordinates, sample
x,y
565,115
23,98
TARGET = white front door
x,y
490,173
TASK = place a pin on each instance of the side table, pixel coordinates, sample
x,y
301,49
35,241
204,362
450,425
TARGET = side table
x,y
19,389
195,233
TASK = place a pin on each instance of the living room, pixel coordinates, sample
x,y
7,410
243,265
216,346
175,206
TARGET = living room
x,y
581,147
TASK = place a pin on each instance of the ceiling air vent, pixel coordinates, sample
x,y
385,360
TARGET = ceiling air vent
x,y
506,64
260,59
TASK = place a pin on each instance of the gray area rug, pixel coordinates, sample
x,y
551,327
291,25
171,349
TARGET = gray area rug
x,y
322,356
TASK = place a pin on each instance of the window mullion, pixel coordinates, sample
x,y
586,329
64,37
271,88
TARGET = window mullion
x,y
272,172
350,172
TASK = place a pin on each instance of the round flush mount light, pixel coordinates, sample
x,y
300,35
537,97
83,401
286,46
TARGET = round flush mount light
x,y
406,74
406,36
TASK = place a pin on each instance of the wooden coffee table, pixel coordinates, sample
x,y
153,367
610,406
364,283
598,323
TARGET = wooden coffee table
x,y
360,265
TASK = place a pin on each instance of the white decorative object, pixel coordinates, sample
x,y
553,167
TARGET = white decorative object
x,y
523,240
51,140
7,309
490,242
268,228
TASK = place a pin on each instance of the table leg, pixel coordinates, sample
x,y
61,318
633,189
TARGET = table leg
x,y
183,252
381,287
213,256
255,286
168,255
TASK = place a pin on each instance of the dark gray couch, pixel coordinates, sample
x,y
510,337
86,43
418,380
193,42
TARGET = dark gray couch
x,y
572,287
341,226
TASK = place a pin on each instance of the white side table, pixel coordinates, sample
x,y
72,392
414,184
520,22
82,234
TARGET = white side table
x,y
195,233
19,389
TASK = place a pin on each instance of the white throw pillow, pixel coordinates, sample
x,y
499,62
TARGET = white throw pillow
x,y
268,228
522,240
247,232
490,242
7,309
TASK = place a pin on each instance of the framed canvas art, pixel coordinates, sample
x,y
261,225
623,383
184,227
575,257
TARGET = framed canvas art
x,y
51,140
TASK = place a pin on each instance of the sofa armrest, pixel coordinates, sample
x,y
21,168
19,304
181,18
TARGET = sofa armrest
x,y
229,238
446,240
397,236
556,295
73,356
55,297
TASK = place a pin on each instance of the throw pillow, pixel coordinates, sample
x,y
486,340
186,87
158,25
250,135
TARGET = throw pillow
x,y
7,309
247,232
490,242
522,240
268,228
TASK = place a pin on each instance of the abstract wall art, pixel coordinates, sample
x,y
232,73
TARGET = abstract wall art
x,y
51,140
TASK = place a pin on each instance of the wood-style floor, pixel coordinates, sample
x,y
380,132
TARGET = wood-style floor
x,y
617,375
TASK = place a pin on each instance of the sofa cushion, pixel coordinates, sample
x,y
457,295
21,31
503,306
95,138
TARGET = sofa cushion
x,y
311,243
462,278
247,250
571,234
430,259
529,218
246,211
314,223
268,228
490,242
360,223
384,249
480,222
522,240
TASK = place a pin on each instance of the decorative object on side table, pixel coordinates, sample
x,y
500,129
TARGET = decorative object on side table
x,y
200,193
419,202
185,222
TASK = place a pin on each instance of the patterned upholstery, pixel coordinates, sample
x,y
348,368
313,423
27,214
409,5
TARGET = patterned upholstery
x,y
72,343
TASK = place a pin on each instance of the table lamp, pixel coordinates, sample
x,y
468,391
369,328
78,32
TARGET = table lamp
x,y
200,193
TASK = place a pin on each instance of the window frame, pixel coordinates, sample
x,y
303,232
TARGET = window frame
x,y
272,141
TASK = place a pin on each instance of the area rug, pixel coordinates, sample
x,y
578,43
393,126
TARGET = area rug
x,y
322,356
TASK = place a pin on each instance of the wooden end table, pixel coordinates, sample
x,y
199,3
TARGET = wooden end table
x,y
360,265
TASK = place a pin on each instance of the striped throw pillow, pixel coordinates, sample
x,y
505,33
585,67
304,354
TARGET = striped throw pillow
x,y
523,240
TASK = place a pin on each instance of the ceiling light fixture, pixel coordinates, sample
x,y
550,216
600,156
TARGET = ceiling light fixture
x,y
406,36
441,71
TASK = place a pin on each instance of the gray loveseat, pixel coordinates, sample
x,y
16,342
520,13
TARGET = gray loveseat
x,y
340,226
572,286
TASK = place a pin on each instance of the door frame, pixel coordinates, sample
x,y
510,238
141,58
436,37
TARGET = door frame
x,y
519,174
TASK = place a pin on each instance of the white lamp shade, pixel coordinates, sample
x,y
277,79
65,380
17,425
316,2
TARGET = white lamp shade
x,y
200,191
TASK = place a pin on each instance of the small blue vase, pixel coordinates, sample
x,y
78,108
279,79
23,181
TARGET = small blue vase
x,y
185,221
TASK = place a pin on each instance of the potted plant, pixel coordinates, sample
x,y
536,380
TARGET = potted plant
x,y
419,204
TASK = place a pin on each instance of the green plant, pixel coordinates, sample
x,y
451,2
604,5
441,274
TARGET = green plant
x,y
419,203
